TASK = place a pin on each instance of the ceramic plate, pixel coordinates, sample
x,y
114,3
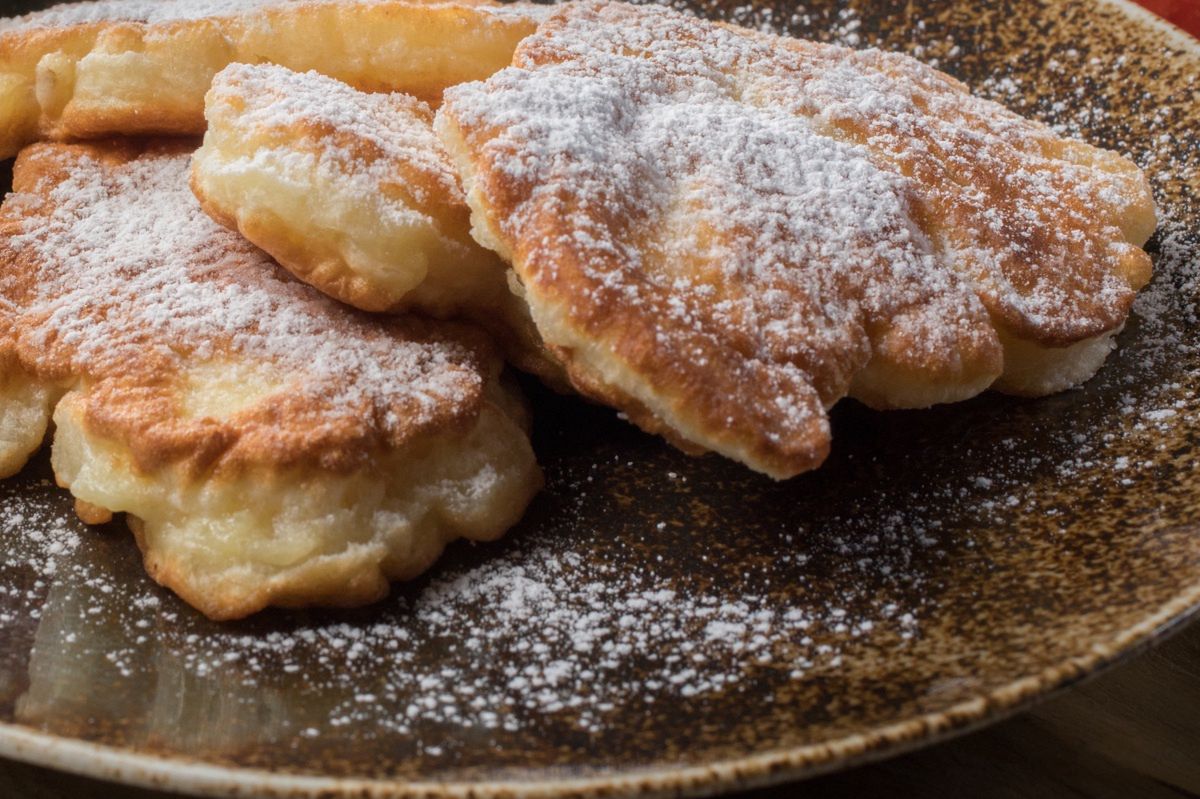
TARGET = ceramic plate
x,y
660,623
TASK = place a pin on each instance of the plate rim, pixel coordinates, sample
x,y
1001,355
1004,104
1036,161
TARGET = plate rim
x,y
198,778
134,768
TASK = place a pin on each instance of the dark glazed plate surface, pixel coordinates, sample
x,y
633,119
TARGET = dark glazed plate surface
x,y
659,622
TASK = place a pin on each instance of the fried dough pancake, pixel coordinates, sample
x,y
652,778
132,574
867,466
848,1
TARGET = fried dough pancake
x,y
723,232
87,70
354,194
270,446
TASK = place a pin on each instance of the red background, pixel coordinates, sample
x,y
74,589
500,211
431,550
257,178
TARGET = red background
x,y
1184,13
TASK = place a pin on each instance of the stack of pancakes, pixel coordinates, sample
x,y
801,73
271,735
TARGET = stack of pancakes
x,y
280,352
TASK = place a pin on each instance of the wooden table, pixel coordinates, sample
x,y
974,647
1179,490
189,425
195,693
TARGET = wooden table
x,y
1133,731
1184,13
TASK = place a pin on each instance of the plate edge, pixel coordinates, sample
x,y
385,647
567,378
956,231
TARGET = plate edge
x,y
197,778
203,779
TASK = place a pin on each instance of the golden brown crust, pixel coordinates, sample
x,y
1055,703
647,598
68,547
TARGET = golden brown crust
x,y
268,445
1018,236
347,587
350,191
136,385
77,73
723,232
354,194
235,543
92,514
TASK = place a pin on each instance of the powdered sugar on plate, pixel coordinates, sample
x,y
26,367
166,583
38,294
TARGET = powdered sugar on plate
x,y
541,633
547,629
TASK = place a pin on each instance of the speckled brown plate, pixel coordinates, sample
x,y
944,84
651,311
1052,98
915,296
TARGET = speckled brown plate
x,y
661,624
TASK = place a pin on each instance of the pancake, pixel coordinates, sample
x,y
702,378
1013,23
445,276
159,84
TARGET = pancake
x,y
722,232
88,70
268,445
353,194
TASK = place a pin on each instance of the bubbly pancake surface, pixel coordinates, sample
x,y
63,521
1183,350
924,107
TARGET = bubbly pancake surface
x,y
723,232
131,67
274,447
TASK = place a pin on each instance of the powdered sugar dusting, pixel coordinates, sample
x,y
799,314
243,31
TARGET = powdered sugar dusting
x,y
158,12
540,634
803,207
1044,250
131,272
38,539
391,135
146,11
954,513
